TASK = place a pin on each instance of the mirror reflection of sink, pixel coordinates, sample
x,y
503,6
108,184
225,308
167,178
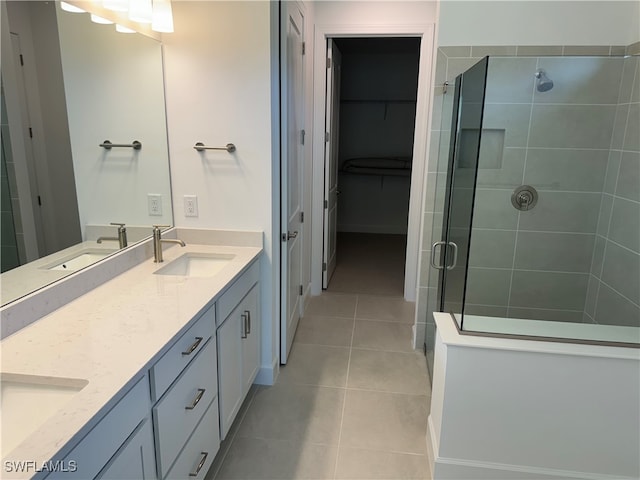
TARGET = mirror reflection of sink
x,y
28,401
196,265
81,260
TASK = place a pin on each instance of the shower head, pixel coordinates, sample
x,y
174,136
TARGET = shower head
x,y
544,83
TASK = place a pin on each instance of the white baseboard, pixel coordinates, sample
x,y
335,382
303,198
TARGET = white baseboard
x,y
268,375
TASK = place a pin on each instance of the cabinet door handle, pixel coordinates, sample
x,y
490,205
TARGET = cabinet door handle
x,y
196,400
193,346
200,464
244,332
248,314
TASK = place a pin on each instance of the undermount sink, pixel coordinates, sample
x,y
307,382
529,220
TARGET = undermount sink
x,y
196,265
81,260
28,401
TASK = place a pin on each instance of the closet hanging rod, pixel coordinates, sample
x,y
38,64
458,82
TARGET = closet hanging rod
x,y
229,147
136,145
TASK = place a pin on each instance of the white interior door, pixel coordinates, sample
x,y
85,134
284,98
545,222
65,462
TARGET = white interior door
x,y
292,176
332,128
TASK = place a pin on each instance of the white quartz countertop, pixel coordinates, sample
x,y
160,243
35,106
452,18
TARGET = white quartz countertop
x,y
107,337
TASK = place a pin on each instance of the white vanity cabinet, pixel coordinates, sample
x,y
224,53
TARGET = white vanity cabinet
x,y
238,337
119,444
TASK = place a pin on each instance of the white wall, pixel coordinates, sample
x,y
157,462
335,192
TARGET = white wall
x,y
522,22
375,12
218,90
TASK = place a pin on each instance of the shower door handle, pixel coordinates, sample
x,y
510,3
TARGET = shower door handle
x,y
433,255
455,256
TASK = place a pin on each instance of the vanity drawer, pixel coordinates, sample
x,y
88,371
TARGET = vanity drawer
x,y
165,371
236,292
181,408
200,450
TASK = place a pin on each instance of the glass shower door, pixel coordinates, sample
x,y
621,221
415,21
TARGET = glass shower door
x,y
453,249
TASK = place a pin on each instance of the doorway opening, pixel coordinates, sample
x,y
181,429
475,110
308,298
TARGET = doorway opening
x,y
371,117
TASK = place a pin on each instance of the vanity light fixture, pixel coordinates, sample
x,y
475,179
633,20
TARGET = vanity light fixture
x,y
123,29
67,7
162,16
102,21
140,11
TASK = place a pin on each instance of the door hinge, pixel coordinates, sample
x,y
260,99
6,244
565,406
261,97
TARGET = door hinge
x,y
300,290
30,132
284,237
328,62
302,134
324,266
301,217
326,136
304,48
21,60
326,204
39,201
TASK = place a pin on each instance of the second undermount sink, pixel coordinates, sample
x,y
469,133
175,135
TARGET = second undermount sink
x,y
27,401
196,265
81,260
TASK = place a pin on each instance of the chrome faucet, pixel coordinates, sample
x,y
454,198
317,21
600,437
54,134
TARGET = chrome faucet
x,y
121,238
157,242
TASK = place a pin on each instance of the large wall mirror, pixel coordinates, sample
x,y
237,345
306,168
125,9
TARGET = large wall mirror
x,y
69,85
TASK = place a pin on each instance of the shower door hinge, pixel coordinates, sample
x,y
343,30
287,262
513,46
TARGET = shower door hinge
x,y
302,134
328,62
327,137
21,60
304,45
326,204
300,290
39,201
301,217
324,266
30,132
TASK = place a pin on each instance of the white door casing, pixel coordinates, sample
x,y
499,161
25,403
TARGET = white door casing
x,y
292,174
332,128
420,145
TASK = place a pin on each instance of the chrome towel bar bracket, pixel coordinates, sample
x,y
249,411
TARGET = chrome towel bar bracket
x,y
229,147
136,145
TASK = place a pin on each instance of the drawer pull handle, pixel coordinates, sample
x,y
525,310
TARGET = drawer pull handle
x,y
248,314
200,464
196,400
244,332
193,346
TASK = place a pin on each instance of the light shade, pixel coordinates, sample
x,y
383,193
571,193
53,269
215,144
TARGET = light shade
x,y
162,16
97,19
123,29
67,7
116,5
140,11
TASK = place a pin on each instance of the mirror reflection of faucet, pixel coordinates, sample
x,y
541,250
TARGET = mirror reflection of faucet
x,y
157,242
121,238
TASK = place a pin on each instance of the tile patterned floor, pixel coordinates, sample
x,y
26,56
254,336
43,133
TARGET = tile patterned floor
x,y
351,403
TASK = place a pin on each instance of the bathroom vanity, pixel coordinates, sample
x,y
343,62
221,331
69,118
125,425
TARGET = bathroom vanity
x,y
142,376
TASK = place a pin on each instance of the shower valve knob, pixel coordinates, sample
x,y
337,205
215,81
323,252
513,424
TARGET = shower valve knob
x,y
524,198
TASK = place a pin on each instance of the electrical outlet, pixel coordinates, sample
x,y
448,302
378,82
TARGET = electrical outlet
x,y
190,206
154,202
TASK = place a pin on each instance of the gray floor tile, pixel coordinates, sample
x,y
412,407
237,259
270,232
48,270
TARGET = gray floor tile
x,y
256,459
393,372
332,305
334,331
316,365
355,463
296,413
390,308
385,421
380,335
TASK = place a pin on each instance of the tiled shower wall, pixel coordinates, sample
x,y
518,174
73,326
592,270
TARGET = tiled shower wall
x,y
614,284
557,140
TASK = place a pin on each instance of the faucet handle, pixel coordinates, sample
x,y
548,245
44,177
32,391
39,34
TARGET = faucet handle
x,y
119,225
158,227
